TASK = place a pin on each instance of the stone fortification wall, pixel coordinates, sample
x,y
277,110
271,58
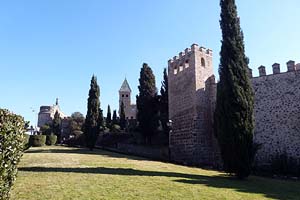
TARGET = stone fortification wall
x,y
192,98
190,107
277,113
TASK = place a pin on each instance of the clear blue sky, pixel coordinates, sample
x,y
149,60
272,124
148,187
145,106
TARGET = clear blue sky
x,y
51,48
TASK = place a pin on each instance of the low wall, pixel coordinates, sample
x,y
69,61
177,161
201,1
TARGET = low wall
x,y
155,153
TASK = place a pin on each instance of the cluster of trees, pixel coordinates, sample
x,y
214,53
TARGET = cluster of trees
x,y
114,123
54,128
152,109
234,108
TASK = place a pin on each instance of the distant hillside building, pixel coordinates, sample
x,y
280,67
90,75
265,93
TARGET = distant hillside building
x,y
46,114
125,97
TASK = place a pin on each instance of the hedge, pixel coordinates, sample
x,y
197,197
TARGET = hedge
x,y
38,140
51,139
12,129
26,141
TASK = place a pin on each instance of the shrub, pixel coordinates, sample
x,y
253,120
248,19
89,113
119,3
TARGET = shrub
x,y
115,128
51,139
78,138
12,129
38,140
284,165
26,141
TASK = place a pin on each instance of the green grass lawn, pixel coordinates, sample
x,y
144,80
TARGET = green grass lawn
x,y
70,173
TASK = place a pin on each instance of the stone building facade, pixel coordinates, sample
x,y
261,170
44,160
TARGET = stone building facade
x,y
46,114
192,98
125,97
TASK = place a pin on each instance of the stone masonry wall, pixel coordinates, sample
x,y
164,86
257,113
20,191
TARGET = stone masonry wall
x,y
277,115
192,98
190,108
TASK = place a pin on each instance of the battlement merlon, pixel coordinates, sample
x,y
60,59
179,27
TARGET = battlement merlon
x,y
187,51
291,67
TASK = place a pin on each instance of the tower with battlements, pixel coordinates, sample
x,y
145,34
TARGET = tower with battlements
x,y
192,98
190,108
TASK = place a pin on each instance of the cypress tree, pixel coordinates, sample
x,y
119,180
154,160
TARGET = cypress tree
x,y
115,118
108,117
100,121
147,115
93,116
122,117
164,104
234,121
56,126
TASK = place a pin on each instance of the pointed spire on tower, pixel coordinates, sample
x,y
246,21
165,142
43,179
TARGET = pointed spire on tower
x,y
56,103
125,87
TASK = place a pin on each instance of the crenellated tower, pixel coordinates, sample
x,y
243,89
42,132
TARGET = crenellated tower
x,y
191,102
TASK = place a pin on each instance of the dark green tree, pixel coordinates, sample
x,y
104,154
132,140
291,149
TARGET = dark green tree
x,y
101,125
76,122
56,126
114,118
93,116
108,117
147,107
122,117
46,129
164,104
234,121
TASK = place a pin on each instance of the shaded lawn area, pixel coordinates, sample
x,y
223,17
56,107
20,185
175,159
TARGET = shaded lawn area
x,y
63,173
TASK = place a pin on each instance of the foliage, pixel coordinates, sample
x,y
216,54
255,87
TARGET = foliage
x,y
101,121
12,129
77,139
234,121
164,104
38,140
46,129
147,107
26,141
122,116
115,128
108,117
51,139
115,118
76,122
94,117
56,126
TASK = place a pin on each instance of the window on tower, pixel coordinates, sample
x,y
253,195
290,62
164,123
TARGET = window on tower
x,y
122,95
126,95
202,62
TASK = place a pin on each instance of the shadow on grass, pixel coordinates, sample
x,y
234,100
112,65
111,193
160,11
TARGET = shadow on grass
x,y
270,188
74,150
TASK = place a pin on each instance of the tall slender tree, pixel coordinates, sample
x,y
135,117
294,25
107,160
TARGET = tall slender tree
x,y
114,118
93,116
56,126
122,117
147,104
164,104
101,125
234,122
108,117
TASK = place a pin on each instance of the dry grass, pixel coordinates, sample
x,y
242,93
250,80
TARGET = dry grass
x,y
63,173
